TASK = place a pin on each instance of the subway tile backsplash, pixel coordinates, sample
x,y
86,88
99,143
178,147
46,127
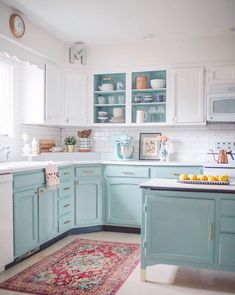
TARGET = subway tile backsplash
x,y
187,143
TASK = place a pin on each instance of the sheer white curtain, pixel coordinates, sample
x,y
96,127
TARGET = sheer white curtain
x,y
6,99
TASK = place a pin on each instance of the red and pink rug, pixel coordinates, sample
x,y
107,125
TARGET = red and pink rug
x,y
81,267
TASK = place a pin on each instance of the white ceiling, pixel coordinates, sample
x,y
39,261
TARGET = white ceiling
x,y
107,21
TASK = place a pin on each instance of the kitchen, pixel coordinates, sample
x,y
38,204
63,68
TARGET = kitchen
x,y
194,109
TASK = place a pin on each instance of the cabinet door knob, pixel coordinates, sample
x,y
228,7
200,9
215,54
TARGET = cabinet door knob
x,y
67,120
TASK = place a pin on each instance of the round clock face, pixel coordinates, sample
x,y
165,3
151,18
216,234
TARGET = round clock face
x,y
17,25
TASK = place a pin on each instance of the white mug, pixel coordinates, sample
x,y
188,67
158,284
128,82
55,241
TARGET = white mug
x,y
141,116
118,112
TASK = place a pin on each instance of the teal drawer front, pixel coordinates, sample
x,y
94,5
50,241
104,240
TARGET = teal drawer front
x,y
173,171
65,206
66,222
34,178
88,171
126,171
226,250
227,224
66,189
66,173
228,208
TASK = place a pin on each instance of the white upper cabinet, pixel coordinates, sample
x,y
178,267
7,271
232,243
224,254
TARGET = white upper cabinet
x,y
187,95
33,102
75,99
221,75
53,95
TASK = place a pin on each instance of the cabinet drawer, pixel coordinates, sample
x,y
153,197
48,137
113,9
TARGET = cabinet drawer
x,y
66,189
174,171
65,206
66,173
65,222
88,171
29,180
227,224
228,207
126,171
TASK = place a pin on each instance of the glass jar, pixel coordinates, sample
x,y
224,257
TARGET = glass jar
x,y
164,151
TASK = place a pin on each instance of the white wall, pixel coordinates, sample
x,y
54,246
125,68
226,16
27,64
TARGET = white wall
x,y
35,39
163,52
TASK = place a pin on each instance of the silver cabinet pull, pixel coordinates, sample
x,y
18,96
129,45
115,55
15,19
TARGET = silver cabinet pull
x,y
66,205
66,173
175,174
88,171
128,173
67,221
66,188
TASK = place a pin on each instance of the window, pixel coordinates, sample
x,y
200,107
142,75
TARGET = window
x,y
6,99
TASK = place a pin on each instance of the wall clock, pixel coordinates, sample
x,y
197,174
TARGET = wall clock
x,y
17,25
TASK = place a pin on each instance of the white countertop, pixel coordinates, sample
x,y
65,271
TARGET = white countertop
x,y
172,184
19,166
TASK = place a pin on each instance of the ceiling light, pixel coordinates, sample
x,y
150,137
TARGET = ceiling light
x,y
148,36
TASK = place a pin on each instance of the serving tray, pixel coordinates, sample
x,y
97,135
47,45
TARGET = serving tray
x,y
204,182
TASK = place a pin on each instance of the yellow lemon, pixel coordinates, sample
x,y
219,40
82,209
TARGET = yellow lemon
x,y
202,177
183,177
223,178
213,178
193,177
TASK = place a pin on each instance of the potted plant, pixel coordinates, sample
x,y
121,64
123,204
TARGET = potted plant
x,y
70,142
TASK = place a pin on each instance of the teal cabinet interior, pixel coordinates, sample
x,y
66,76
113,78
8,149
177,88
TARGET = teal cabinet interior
x,y
150,99
47,213
189,229
109,93
25,221
88,195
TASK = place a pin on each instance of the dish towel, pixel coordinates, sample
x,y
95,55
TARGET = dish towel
x,y
52,177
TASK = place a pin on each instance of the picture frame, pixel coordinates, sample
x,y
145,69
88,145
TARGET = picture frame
x,y
149,145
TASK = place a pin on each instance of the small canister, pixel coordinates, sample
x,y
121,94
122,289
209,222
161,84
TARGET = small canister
x,y
84,145
141,82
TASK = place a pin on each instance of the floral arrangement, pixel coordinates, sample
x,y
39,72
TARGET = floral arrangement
x,y
164,138
70,140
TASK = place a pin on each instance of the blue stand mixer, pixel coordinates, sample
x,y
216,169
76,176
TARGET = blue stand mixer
x,y
123,147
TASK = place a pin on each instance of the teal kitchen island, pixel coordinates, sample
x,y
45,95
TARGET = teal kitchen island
x,y
187,225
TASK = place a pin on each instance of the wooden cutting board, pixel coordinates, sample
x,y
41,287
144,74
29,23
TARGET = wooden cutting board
x,y
45,145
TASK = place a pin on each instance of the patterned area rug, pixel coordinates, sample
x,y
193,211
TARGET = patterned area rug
x,y
81,267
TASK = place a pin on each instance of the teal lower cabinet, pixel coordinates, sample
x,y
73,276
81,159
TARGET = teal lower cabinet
x,y
47,211
181,228
123,201
188,228
174,171
88,195
88,202
25,221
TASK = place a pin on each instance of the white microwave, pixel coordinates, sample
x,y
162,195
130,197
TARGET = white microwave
x,y
221,103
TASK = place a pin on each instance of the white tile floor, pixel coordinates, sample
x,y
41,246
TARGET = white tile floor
x,y
162,280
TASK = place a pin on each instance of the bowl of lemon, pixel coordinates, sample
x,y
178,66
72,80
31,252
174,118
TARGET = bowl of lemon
x,y
203,179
